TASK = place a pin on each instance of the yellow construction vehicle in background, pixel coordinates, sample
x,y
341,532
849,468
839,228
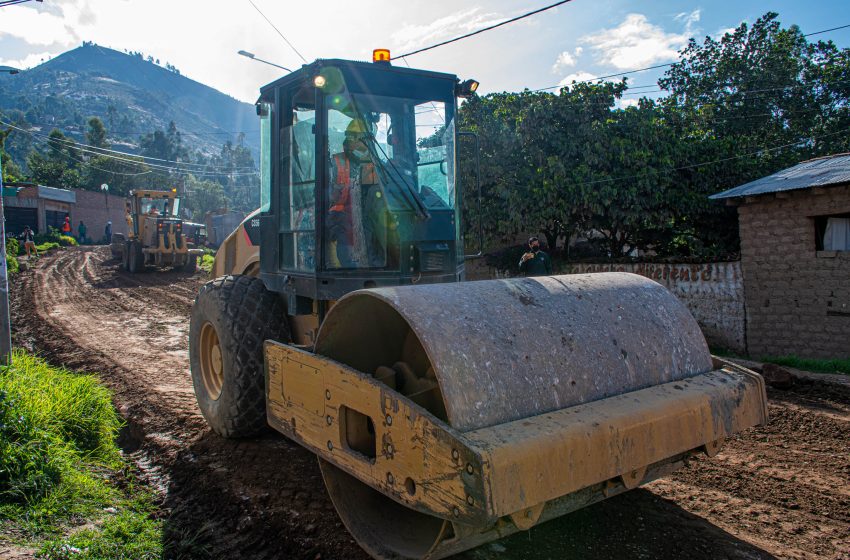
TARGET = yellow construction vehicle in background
x,y
156,233
445,414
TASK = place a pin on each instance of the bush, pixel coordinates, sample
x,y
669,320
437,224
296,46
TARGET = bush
x,y
12,264
51,236
506,258
67,241
47,246
13,247
206,263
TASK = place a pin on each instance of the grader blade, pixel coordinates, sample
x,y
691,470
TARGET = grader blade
x,y
445,416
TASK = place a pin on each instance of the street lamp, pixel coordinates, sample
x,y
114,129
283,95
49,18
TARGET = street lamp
x,y
105,189
252,56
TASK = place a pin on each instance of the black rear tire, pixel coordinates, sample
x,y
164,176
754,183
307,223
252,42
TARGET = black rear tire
x,y
125,256
240,314
191,264
136,257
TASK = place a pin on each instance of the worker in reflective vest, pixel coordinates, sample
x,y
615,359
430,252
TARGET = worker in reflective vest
x,y
351,171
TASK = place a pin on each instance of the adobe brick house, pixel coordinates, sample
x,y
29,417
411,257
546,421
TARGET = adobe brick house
x,y
795,259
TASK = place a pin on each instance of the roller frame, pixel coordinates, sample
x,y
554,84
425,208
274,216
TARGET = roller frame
x,y
512,469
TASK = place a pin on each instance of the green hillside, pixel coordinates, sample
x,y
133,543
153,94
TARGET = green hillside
x,y
132,95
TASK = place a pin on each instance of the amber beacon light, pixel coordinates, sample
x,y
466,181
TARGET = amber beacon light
x,y
381,55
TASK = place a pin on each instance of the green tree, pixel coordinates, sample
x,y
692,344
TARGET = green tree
x,y
757,100
165,145
59,166
96,134
202,196
11,170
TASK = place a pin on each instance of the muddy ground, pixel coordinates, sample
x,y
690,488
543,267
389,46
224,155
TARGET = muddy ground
x,y
777,491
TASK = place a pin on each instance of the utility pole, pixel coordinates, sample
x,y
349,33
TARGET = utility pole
x,y
5,328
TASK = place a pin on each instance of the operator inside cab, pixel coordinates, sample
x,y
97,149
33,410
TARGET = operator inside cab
x,y
357,217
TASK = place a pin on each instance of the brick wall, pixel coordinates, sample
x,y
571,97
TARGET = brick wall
x,y
798,300
713,292
95,209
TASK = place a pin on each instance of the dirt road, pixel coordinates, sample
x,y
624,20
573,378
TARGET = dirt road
x,y
781,490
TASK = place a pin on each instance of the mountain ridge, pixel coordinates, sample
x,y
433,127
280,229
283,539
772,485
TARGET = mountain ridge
x,y
132,95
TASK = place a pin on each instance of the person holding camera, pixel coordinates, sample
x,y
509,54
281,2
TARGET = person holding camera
x,y
535,262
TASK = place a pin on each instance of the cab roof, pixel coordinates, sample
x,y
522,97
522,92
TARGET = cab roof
x,y
353,67
144,193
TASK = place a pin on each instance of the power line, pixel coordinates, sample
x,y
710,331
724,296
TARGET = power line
x,y
175,170
608,76
662,65
291,46
13,2
97,150
722,160
523,16
89,164
827,30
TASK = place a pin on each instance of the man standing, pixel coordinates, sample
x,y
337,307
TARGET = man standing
x,y
82,230
66,226
535,262
107,233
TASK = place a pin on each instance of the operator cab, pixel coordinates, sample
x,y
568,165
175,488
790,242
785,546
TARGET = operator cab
x,y
359,181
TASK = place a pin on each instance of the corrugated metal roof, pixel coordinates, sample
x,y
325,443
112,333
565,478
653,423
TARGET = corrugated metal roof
x,y
821,172
61,195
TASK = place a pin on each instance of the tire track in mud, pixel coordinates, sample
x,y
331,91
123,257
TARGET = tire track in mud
x,y
770,493
260,498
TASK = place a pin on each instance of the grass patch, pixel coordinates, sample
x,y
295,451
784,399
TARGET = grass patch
x,y
810,364
60,468
207,260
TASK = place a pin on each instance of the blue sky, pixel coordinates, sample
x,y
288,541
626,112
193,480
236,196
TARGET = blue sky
x,y
582,39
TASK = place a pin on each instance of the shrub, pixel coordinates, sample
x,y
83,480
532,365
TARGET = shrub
x,y
12,264
206,263
67,241
13,247
47,246
51,236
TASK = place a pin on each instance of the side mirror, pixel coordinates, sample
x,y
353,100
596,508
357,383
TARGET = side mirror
x,y
478,189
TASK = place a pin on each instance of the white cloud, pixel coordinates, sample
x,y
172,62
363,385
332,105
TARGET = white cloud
x,y
636,42
580,76
564,60
32,59
626,102
412,36
722,31
38,27
689,18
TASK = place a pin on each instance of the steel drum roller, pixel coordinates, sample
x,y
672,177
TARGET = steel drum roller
x,y
479,354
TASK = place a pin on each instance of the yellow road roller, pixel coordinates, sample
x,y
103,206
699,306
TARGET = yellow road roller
x,y
444,414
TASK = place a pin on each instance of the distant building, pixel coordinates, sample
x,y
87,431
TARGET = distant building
x,y
40,207
795,259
